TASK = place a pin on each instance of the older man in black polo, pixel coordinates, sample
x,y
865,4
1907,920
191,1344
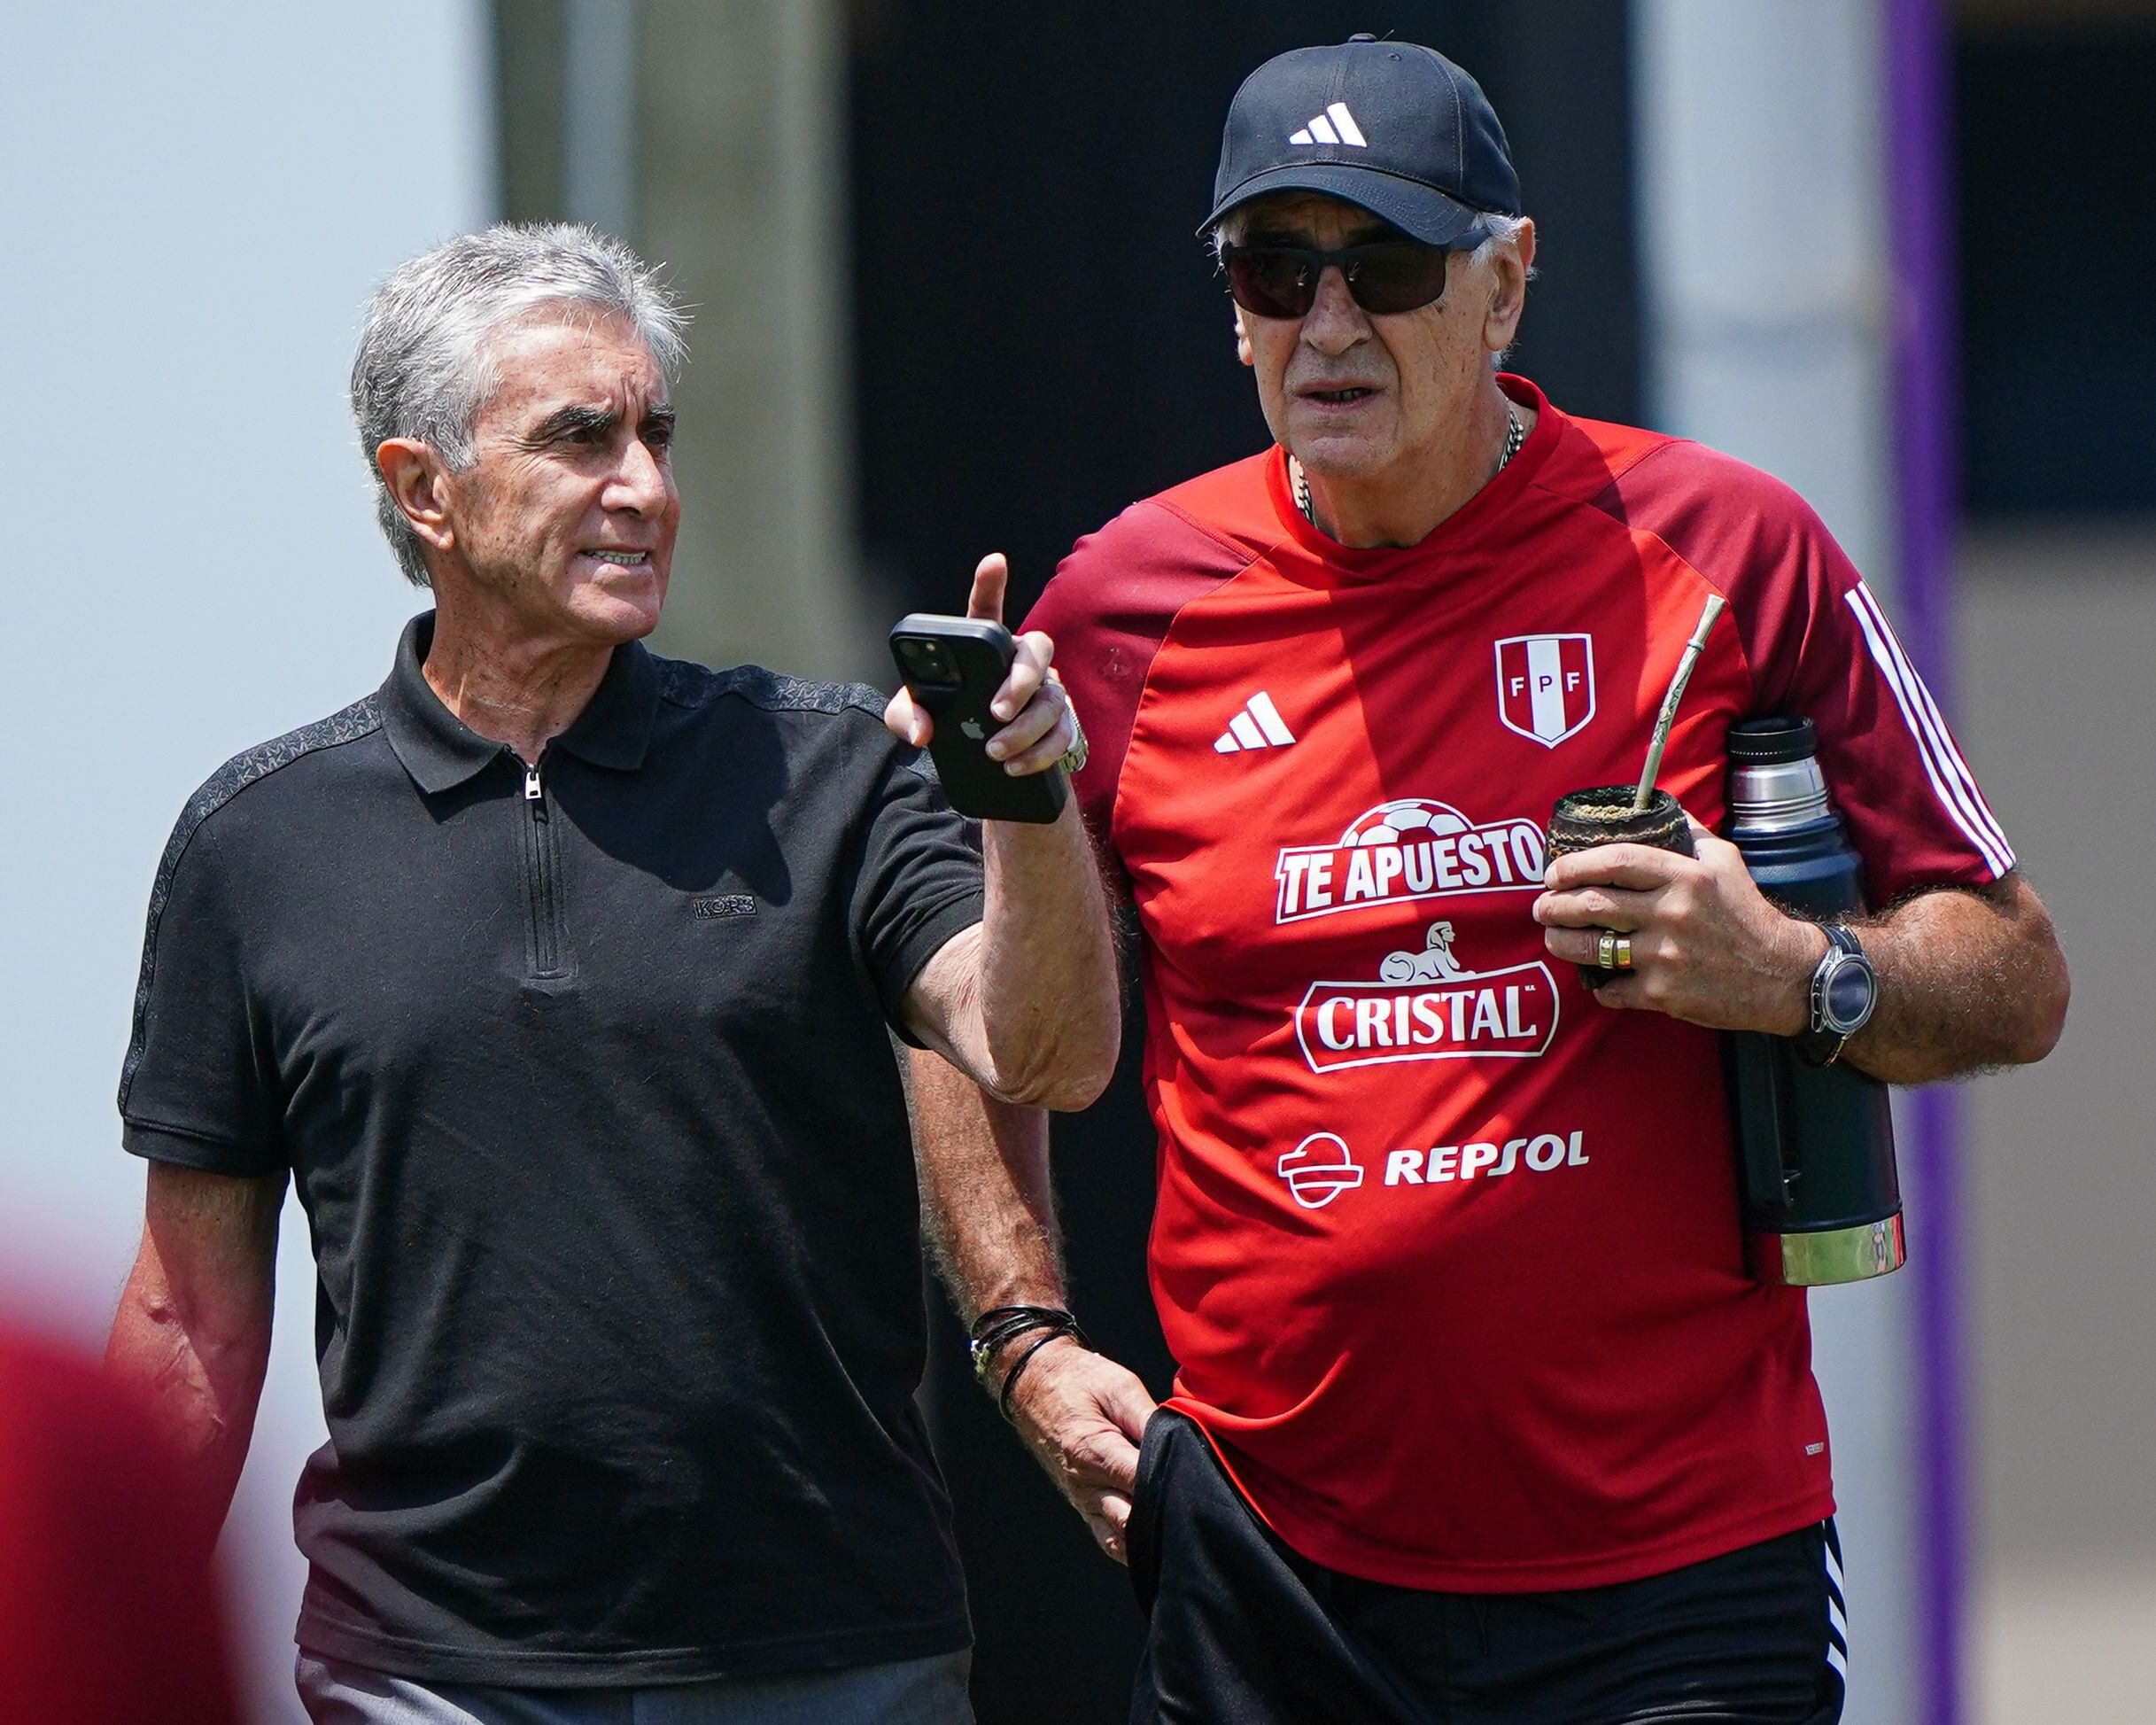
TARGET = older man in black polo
x,y
560,976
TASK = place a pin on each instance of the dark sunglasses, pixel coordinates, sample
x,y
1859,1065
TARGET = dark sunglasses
x,y
1384,276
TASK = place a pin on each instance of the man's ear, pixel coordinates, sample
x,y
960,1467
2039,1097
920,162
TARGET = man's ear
x,y
419,486
1509,297
1242,338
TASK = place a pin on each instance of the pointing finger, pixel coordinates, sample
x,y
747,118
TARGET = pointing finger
x,y
992,575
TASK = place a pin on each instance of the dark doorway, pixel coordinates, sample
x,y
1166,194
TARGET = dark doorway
x,y
2058,248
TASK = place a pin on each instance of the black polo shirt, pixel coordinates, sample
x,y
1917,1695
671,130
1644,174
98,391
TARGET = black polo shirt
x,y
584,1080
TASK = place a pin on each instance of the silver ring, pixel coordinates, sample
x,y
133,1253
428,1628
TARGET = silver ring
x,y
1074,759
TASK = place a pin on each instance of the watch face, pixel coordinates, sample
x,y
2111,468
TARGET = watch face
x,y
1848,997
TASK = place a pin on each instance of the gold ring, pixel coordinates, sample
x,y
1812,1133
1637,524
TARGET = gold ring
x,y
1613,951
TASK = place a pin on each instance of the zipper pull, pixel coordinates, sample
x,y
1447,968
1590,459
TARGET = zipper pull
x,y
533,791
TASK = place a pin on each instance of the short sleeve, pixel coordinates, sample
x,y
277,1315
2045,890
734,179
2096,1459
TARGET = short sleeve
x,y
1896,774
1107,608
199,1087
919,878
1087,662
1819,647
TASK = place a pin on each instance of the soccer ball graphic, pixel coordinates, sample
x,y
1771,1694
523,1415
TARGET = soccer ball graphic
x,y
1405,819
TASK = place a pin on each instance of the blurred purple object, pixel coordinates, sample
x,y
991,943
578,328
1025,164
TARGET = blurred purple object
x,y
1920,205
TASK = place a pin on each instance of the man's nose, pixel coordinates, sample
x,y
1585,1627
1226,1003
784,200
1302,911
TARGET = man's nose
x,y
1334,323
640,482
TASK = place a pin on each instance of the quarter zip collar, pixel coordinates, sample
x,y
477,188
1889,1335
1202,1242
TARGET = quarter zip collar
x,y
437,748
441,751
614,730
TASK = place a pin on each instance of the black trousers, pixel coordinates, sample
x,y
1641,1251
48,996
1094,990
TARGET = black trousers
x,y
1243,1631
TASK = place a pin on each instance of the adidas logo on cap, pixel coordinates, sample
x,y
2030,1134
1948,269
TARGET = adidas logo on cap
x,y
1395,117
1336,125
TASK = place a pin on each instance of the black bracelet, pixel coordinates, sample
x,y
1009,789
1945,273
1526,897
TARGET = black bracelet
x,y
997,1318
1010,1378
1000,1327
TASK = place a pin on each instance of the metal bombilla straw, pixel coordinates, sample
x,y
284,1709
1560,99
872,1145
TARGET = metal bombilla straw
x,y
1716,606
1618,814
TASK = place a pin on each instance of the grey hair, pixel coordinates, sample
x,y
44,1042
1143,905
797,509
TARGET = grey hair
x,y
1498,230
425,368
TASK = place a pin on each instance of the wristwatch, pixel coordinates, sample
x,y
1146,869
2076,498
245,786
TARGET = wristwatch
x,y
1844,992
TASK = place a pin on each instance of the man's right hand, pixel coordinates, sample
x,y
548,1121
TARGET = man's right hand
x,y
1084,1417
1040,726
1025,1002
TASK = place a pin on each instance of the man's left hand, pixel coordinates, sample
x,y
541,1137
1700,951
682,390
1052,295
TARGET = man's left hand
x,y
1706,945
1084,1417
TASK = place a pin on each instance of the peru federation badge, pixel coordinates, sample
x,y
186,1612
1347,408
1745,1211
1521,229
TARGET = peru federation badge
x,y
1546,685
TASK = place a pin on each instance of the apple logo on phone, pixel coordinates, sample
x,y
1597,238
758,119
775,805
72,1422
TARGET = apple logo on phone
x,y
970,727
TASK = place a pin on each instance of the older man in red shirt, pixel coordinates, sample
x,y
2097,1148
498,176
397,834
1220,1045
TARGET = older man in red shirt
x,y
1477,1415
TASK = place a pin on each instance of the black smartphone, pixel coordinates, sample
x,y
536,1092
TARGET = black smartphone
x,y
953,666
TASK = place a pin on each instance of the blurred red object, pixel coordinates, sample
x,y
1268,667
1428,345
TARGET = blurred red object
x,y
107,1616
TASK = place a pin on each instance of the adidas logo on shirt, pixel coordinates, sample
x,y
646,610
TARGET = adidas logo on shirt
x,y
1336,125
1258,725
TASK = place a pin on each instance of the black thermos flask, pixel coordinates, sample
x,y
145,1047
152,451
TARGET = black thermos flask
x,y
1815,1144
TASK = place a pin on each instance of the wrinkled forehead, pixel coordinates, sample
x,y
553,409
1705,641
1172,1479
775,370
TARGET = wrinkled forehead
x,y
567,351
1304,217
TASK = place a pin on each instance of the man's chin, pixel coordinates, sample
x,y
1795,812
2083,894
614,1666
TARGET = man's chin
x,y
620,610
1337,455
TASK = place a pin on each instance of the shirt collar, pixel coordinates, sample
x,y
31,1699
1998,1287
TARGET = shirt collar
x,y
441,751
614,729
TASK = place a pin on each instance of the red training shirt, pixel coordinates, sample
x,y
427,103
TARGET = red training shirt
x,y
1448,1256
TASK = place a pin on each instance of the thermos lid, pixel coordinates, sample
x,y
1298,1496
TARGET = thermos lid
x,y
1767,741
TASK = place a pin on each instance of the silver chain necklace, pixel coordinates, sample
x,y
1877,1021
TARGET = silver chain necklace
x,y
1515,435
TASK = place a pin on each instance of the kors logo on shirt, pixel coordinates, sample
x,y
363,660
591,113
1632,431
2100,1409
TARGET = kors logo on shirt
x,y
1258,725
1336,125
1546,685
727,904
1411,847
1425,1007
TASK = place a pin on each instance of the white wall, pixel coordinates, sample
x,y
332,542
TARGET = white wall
x,y
2059,629
1763,236
196,201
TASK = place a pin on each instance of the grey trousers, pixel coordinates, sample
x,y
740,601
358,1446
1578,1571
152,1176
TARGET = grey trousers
x,y
931,1691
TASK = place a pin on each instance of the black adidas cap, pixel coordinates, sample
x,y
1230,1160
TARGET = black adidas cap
x,y
1395,128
